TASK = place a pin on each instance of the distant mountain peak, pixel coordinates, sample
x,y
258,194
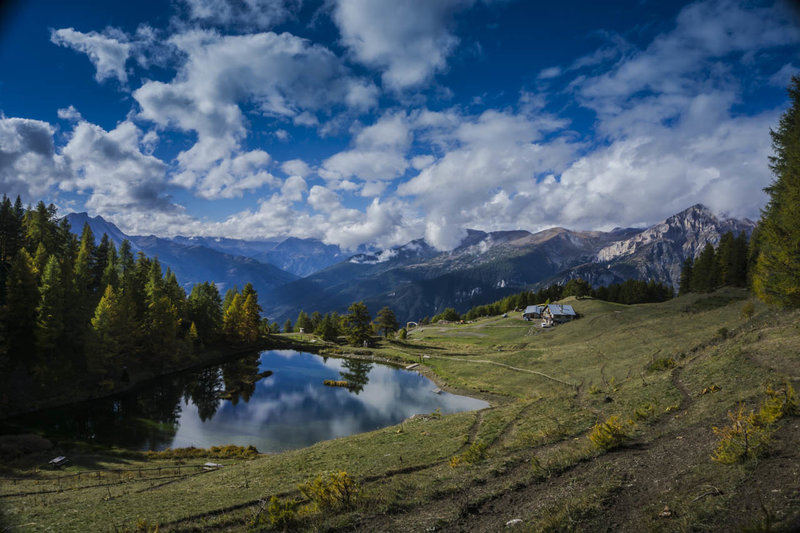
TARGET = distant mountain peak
x,y
685,233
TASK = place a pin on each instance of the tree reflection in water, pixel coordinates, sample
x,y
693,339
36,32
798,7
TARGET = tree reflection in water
x,y
204,390
240,378
356,374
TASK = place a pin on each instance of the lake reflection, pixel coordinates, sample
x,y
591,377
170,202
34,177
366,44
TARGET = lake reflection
x,y
292,408
220,405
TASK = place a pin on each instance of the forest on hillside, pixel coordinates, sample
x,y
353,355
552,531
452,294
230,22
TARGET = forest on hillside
x,y
81,314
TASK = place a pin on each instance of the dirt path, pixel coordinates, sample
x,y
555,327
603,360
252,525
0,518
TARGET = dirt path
x,y
503,365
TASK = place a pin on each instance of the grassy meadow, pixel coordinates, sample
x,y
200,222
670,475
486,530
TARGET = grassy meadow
x,y
670,372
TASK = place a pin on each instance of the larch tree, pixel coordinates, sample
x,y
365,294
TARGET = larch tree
x,y
777,273
387,321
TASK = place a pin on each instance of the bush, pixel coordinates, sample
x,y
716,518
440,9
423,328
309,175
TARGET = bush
x,y
475,453
338,491
609,434
778,403
283,514
661,363
645,411
748,309
746,438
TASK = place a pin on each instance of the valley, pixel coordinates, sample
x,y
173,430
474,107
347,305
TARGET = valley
x,y
416,280
671,372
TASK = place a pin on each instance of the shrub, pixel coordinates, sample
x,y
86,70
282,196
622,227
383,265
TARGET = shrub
x,y
746,438
661,363
337,491
282,514
476,452
778,403
609,434
645,411
748,309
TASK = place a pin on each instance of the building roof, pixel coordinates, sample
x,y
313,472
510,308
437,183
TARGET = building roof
x,y
533,309
563,310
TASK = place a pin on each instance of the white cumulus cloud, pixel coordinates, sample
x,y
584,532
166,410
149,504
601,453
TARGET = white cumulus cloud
x,y
107,51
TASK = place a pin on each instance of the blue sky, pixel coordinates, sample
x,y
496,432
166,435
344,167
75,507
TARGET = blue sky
x,y
369,121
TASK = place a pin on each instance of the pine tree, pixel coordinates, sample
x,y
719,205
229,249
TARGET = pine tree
x,y
327,330
106,332
229,294
705,273
387,322
777,273
233,319
250,319
39,226
51,309
10,231
303,323
287,326
22,297
358,320
204,309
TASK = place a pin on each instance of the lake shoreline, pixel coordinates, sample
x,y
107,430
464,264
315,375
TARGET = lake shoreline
x,y
211,356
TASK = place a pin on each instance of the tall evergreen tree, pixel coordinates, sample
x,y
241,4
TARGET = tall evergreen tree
x,y
22,298
686,277
107,324
10,231
204,309
777,273
303,323
387,322
51,309
233,318
358,324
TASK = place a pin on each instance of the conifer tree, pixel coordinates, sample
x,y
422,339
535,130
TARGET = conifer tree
x,y
327,330
686,277
303,323
204,309
232,318
51,309
10,230
287,326
387,322
777,272
358,328
250,319
107,323
22,298
229,295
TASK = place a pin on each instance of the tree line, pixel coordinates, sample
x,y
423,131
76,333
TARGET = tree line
x,y
631,291
357,326
72,309
727,265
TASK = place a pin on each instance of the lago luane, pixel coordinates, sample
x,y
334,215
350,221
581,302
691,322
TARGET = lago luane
x,y
221,405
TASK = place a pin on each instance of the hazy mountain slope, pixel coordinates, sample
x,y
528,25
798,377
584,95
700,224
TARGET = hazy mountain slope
x,y
415,280
192,263
98,225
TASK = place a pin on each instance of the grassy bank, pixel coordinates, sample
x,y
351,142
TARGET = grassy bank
x,y
670,372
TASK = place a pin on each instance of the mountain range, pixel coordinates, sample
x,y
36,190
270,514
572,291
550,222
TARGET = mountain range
x,y
415,279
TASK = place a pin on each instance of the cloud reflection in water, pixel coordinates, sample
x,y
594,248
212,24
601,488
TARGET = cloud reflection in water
x,y
293,408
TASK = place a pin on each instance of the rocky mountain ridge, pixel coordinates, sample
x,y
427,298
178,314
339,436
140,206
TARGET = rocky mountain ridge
x,y
417,280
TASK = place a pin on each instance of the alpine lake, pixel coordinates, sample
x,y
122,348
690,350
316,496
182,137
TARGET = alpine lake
x,y
229,404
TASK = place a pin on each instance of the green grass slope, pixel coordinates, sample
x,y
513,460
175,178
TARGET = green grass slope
x,y
527,457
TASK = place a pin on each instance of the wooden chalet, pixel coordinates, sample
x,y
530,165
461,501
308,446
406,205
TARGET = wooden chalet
x,y
556,313
533,311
